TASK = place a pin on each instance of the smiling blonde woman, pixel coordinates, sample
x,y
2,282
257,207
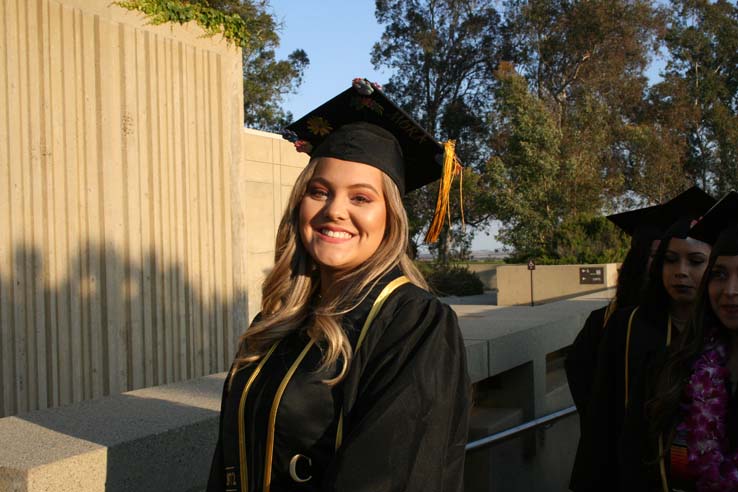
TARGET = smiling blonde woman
x,y
353,376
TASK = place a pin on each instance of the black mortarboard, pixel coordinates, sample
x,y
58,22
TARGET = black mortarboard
x,y
674,216
639,222
719,226
684,210
362,125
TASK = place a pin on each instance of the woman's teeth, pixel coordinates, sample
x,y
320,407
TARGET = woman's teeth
x,y
337,234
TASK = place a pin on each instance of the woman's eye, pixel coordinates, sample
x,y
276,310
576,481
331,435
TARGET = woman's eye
x,y
696,261
670,258
362,199
717,275
317,193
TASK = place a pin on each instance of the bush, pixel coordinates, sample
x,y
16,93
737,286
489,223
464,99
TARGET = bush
x,y
452,280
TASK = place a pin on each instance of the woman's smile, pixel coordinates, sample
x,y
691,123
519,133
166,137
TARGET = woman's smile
x,y
333,234
343,215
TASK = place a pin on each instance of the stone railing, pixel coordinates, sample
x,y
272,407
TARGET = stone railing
x,y
162,438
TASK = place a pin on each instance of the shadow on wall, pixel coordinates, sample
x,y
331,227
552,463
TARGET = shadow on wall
x,y
109,324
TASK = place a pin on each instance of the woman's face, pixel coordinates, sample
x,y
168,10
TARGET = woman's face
x,y
343,214
685,262
723,290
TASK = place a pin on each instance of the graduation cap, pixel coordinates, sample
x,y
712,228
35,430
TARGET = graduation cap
x,y
639,222
362,125
719,226
685,210
672,218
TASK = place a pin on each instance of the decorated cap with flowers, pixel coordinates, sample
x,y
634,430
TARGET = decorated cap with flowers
x,y
362,125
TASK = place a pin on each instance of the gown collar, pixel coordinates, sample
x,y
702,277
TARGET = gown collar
x,y
356,316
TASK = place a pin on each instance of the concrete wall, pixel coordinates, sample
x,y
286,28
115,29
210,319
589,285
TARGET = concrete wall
x,y
269,167
124,202
550,282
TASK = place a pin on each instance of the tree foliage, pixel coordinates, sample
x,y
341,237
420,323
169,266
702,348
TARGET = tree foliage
x,y
698,96
250,25
442,54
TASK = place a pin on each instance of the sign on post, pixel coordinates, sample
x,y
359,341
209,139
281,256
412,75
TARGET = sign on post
x,y
591,275
531,267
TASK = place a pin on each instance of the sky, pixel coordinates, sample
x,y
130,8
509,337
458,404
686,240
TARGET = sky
x,y
338,37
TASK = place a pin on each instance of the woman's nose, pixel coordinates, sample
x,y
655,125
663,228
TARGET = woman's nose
x,y
335,209
731,289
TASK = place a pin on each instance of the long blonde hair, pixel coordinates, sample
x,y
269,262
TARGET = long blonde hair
x,y
289,300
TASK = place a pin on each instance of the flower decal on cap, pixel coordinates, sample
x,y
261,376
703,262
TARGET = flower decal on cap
x,y
359,103
319,126
289,135
303,146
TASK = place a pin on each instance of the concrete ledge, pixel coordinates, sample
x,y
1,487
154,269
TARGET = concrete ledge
x,y
151,439
163,438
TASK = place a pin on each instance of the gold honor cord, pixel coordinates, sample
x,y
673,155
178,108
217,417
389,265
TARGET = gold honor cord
x,y
383,296
627,354
273,415
662,458
662,466
241,431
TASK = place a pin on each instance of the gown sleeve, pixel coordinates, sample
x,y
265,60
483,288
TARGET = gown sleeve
x,y
216,478
581,361
407,409
596,464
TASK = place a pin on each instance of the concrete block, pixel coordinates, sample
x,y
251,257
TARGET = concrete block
x,y
260,218
158,438
258,172
290,157
477,359
256,147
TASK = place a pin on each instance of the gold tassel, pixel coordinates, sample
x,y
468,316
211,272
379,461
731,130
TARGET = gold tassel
x,y
451,167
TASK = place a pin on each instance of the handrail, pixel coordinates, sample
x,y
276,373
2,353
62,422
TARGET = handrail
x,y
514,431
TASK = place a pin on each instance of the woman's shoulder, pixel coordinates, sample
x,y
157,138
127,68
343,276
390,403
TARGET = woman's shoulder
x,y
410,296
413,309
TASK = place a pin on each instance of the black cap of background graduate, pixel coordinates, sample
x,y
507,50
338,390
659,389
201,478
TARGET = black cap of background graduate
x,y
685,210
672,218
640,222
719,226
362,125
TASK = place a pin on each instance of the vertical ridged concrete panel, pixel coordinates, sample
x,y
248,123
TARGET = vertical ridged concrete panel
x,y
117,144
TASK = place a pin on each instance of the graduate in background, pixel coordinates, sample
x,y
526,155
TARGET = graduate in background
x,y
691,443
633,335
353,376
643,226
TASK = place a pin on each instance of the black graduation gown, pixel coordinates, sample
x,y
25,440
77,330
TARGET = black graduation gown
x,y
581,361
405,400
602,456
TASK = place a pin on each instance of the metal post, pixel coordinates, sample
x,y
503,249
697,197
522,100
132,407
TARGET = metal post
x,y
531,267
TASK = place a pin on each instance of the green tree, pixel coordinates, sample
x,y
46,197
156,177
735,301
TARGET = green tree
x,y
250,25
698,96
527,167
569,131
442,54
586,61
